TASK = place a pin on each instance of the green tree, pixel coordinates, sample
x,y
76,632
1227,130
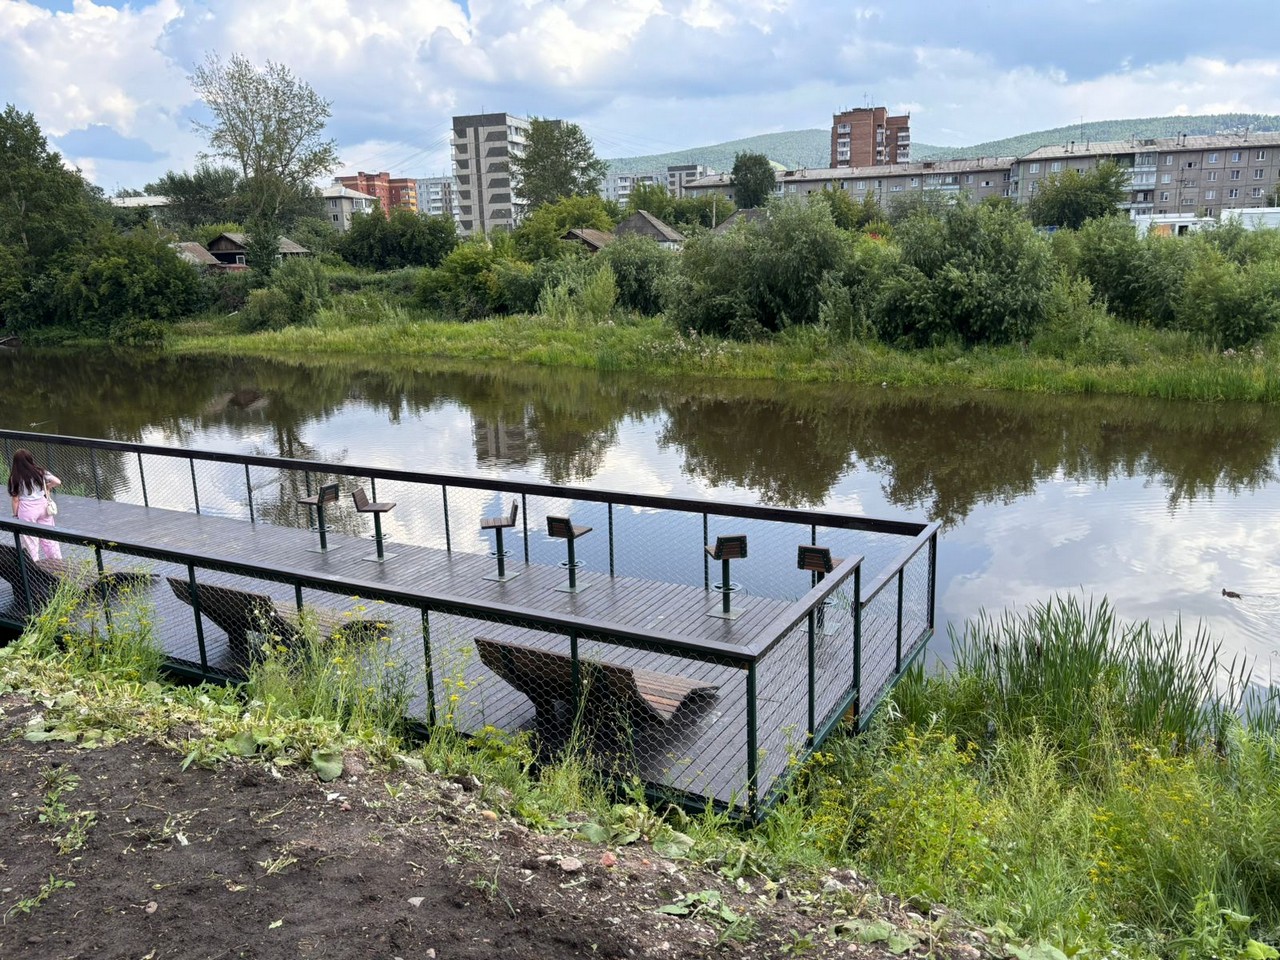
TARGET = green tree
x,y
270,125
653,198
558,162
708,212
753,179
538,237
1070,198
205,196
406,239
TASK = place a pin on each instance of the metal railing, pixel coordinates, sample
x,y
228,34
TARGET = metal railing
x,y
829,651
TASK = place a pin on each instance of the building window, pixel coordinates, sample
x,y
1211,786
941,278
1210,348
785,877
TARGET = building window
x,y
1235,174
968,178
862,184
1164,194
1210,194
1166,178
1168,160
1235,156
1211,176
1213,158
1260,155
986,183
915,181
336,218
1233,194
1208,211
895,188
1034,168
1257,192
1259,174
333,203
1055,167
1191,164
1187,202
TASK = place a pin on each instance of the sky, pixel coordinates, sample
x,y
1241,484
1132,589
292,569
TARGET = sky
x,y
108,82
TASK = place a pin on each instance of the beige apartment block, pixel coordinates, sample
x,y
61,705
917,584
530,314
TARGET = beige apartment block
x,y
482,147
1202,175
977,179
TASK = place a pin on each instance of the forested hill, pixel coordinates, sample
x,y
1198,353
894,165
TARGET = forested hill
x,y
812,148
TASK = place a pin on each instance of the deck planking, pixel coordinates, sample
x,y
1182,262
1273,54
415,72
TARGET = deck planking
x,y
702,750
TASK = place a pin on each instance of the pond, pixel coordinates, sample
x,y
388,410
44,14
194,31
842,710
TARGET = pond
x,y
1158,506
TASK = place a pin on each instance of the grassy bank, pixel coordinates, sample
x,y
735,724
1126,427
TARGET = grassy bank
x,y
1076,783
1102,357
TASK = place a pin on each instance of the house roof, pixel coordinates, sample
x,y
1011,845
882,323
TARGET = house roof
x,y
749,215
338,190
134,202
193,252
633,225
286,245
1219,141
598,239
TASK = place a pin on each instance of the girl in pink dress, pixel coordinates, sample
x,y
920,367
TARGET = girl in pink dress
x,y
28,486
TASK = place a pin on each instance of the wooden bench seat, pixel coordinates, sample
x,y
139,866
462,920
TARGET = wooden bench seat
x,y
241,612
545,677
46,575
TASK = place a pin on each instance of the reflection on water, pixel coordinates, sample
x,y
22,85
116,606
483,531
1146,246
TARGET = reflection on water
x,y
1158,505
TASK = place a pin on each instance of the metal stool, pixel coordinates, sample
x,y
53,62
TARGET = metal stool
x,y
363,505
563,528
726,549
328,494
497,525
817,560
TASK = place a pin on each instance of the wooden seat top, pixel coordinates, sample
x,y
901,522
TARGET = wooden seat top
x,y
503,522
364,505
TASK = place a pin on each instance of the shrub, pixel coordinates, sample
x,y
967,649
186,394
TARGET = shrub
x,y
299,288
640,269
1229,304
267,309
462,285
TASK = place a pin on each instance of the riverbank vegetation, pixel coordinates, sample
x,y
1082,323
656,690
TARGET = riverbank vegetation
x,y
1075,783
927,290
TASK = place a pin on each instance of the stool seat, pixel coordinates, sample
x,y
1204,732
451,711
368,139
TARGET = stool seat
x,y
328,493
562,528
497,524
733,547
364,505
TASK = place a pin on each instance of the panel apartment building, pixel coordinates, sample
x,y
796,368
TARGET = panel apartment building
x,y
868,137
1167,175
392,193
482,147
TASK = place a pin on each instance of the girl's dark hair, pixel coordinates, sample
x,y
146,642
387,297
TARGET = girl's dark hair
x,y
26,473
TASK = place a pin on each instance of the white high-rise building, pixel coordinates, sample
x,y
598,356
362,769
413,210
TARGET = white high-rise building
x,y
483,145
438,197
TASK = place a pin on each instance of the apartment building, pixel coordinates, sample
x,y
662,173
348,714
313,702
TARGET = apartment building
x,y
341,202
438,197
681,175
1170,175
376,185
482,147
869,136
620,186
978,179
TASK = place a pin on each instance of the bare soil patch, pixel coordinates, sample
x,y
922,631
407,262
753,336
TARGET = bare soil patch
x,y
117,852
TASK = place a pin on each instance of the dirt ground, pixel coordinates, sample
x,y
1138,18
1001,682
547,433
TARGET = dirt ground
x,y
117,852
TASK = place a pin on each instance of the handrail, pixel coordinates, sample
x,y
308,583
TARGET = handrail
x,y
681,504
585,627
798,611
890,572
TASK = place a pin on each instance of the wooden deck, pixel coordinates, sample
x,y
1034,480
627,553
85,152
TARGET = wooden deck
x,y
702,750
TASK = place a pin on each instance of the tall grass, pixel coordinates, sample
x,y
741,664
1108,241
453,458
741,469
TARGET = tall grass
x,y
1079,779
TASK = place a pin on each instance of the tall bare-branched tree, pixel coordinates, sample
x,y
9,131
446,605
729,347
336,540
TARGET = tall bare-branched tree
x,y
270,124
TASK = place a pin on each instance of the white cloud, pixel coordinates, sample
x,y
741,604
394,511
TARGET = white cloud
x,y
654,74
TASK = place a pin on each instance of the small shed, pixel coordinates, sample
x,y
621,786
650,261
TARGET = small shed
x,y
230,248
195,254
751,215
644,224
594,240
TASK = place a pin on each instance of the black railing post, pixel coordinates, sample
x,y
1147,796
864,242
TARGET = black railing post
x,y
93,468
26,576
706,560
611,538
248,486
100,587
195,610
897,662
857,640
444,497
933,575
813,706
524,514
195,488
575,667
297,596
753,760
427,666
142,478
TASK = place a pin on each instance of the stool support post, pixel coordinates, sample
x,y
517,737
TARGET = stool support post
x,y
502,555
573,566
377,533
724,585
324,543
